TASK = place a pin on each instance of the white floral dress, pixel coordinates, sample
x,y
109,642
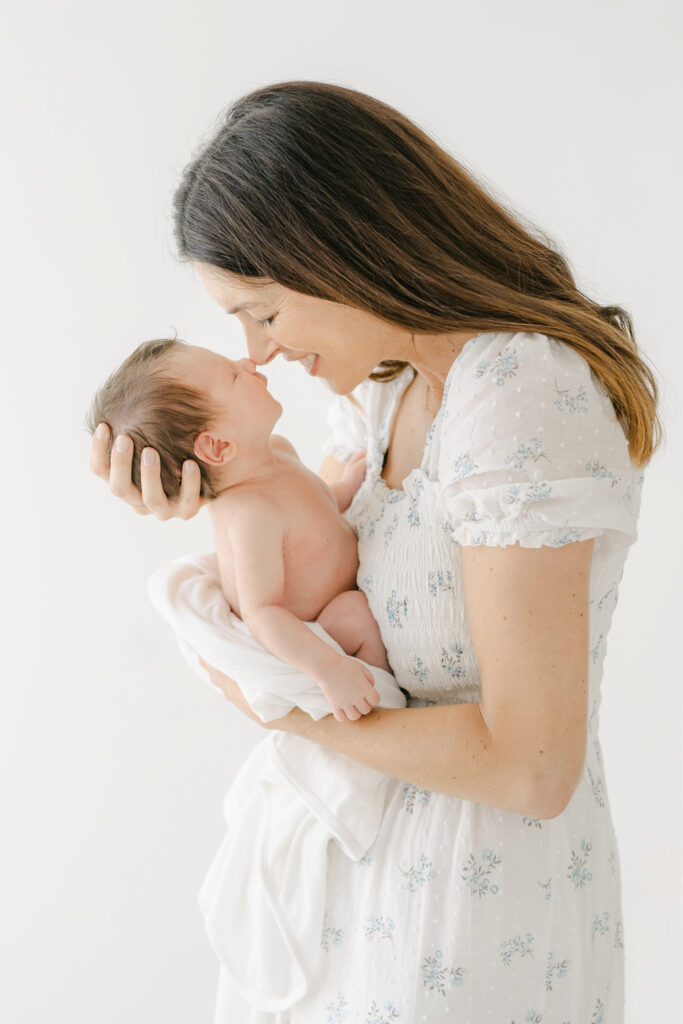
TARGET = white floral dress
x,y
460,912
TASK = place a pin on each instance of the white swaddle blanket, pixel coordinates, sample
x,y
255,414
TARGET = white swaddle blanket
x,y
263,897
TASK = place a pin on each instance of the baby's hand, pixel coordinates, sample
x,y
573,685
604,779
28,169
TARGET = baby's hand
x,y
354,471
349,686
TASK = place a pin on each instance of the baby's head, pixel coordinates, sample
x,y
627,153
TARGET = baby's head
x,y
184,401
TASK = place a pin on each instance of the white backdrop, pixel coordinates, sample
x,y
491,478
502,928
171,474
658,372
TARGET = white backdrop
x,y
114,756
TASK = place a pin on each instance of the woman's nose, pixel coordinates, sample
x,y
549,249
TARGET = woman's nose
x,y
247,364
260,351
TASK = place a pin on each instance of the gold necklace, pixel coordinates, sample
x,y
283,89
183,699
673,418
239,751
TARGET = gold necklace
x,y
432,412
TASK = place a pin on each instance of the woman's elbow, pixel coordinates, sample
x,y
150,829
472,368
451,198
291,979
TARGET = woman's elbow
x,y
550,799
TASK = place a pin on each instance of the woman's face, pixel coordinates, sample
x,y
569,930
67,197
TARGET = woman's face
x,y
337,343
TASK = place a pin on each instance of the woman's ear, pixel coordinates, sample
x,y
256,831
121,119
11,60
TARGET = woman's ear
x,y
210,449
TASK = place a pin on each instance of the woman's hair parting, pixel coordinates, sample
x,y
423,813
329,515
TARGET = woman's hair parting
x,y
332,193
143,399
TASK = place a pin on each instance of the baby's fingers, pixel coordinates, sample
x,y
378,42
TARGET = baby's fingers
x,y
373,698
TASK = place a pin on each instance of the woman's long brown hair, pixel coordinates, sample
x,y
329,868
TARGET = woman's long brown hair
x,y
335,194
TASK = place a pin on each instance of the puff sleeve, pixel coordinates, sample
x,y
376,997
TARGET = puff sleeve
x,y
531,450
347,420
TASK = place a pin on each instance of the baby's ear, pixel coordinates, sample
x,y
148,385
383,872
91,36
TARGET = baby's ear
x,y
209,448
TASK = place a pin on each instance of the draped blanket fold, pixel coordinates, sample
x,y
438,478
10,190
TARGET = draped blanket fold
x,y
263,896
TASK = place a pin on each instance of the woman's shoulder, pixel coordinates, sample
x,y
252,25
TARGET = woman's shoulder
x,y
529,440
508,361
503,377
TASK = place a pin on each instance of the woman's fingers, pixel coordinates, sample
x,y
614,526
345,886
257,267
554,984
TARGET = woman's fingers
x,y
117,472
189,501
99,452
153,496
120,482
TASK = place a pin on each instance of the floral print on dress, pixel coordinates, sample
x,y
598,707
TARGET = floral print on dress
x,y
419,670
337,1010
397,610
440,580
529,450
523,494
412,795
554,969
547,888
572,403
416,877
476,873
330,936
504,366
598,1014
597,787
525,448
451,659
600,925
577,871
379,927
600,472
518,946
389,530
437,977
387,1015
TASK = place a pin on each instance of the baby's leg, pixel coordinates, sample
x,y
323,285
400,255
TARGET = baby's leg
x,y
349,621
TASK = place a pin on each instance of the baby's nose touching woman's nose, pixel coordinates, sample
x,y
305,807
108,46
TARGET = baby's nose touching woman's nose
x,y
261,352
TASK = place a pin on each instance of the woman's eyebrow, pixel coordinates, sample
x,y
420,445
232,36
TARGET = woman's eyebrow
x,y
246,305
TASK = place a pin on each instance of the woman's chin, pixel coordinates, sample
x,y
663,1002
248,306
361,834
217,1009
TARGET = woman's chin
x,y
339,387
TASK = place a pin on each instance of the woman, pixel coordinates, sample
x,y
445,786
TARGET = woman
x,y
506,419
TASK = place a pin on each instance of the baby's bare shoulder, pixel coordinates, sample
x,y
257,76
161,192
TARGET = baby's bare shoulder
x,y
281,444
242,507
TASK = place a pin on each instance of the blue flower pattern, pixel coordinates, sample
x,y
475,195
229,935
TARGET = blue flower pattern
x,y
416,877
414,794
379,927
437,977
470,894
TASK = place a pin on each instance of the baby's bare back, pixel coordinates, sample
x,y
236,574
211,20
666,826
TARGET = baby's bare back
x,y
319,547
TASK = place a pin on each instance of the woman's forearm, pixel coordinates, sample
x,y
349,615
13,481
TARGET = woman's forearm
x,y
446,748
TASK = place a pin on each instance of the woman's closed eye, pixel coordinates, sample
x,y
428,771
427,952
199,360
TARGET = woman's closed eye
x,y
267,322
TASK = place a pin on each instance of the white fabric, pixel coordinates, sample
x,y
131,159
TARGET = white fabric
x,y
461,912
263,897
188,594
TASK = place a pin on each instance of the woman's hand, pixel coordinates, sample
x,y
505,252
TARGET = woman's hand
x,y
353,473
152,499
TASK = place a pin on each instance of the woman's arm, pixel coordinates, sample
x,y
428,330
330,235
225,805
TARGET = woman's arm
x,y
522,748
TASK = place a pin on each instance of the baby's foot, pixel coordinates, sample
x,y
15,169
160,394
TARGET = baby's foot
x,y
350,689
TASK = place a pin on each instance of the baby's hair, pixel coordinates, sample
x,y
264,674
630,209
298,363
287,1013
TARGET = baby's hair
x,y
142,399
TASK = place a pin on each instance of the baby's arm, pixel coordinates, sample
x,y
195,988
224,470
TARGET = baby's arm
x,y
350,480
256,533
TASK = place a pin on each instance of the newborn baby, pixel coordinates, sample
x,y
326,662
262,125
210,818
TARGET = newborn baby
x,y
286,554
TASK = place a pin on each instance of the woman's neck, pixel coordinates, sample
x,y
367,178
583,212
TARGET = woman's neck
x,y
432,356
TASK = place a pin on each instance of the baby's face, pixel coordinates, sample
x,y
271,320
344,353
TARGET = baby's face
x,y
248,410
